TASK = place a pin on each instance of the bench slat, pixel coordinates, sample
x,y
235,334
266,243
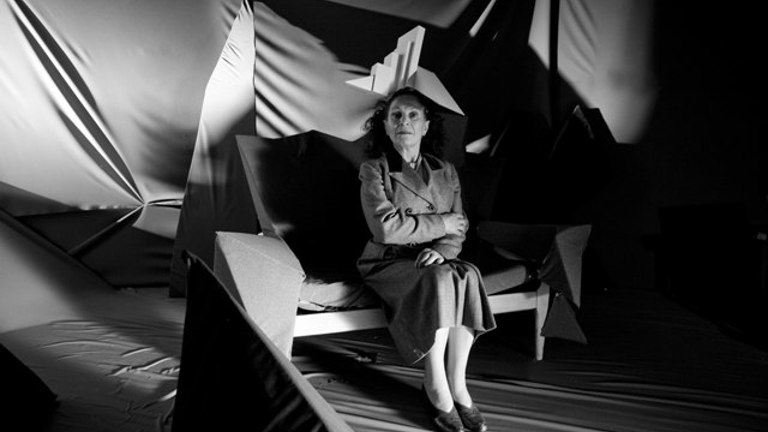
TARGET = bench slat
x,y
338,322
364,319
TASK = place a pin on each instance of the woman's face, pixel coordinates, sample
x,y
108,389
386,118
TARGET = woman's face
x,y
406,122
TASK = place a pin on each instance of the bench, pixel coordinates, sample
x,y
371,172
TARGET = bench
x,y
297,277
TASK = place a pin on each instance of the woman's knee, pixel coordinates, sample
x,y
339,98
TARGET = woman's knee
x,y
440,274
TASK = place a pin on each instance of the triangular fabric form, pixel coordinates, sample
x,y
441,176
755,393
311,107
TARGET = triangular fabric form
x,y
561,321
267,288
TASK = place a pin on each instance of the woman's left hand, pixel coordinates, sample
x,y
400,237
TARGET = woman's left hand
x,y
429,256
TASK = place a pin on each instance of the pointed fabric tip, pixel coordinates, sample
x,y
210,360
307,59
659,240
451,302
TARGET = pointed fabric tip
x,y
561,321
428,84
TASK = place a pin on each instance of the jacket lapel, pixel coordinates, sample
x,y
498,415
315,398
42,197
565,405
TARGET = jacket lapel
x,y
437,181
409,179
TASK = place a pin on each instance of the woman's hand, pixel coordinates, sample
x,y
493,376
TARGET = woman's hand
x,y
455,223
427,257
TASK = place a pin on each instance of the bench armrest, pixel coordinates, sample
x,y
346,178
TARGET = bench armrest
x,y
264,275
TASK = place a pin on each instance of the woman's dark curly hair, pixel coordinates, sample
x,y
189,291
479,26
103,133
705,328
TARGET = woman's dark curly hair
x,y
376,137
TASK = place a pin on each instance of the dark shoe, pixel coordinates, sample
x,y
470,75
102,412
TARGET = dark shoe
x,y
472,418
446,421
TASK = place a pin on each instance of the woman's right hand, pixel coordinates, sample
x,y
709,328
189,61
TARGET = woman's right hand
x,y
455,223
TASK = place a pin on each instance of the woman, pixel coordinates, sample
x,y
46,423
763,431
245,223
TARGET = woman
x,y
435,303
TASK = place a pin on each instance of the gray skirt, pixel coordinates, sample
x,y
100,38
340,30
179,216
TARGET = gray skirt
x,y
419,301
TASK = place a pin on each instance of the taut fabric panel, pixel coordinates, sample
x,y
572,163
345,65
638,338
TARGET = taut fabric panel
x,y
213,198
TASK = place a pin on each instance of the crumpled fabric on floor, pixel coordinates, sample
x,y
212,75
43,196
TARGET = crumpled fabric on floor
x,y
108,374
650,365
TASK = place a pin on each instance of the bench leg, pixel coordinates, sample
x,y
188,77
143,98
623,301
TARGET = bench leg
x,y
542,306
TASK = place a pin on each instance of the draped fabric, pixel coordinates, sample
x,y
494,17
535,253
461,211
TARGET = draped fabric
x,y
114,114
101,100
604,53
99,109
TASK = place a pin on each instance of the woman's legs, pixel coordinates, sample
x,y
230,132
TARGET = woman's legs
x,y
435,378
445,376
460,340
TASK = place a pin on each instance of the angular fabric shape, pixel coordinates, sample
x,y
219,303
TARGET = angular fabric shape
x,y
561,321
233,377
27,399
563,264
267,287
557,250
211,197
36,276
401,68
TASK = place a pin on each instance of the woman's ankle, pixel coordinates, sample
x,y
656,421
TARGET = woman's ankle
x,y
460,394
439,397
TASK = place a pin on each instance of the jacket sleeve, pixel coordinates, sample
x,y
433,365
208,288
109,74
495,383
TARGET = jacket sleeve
x,y
388,223
449,246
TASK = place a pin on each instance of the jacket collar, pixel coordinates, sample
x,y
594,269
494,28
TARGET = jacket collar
x,y
395,161
411,180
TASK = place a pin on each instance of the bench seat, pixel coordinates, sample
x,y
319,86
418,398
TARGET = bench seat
x,y
268,280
